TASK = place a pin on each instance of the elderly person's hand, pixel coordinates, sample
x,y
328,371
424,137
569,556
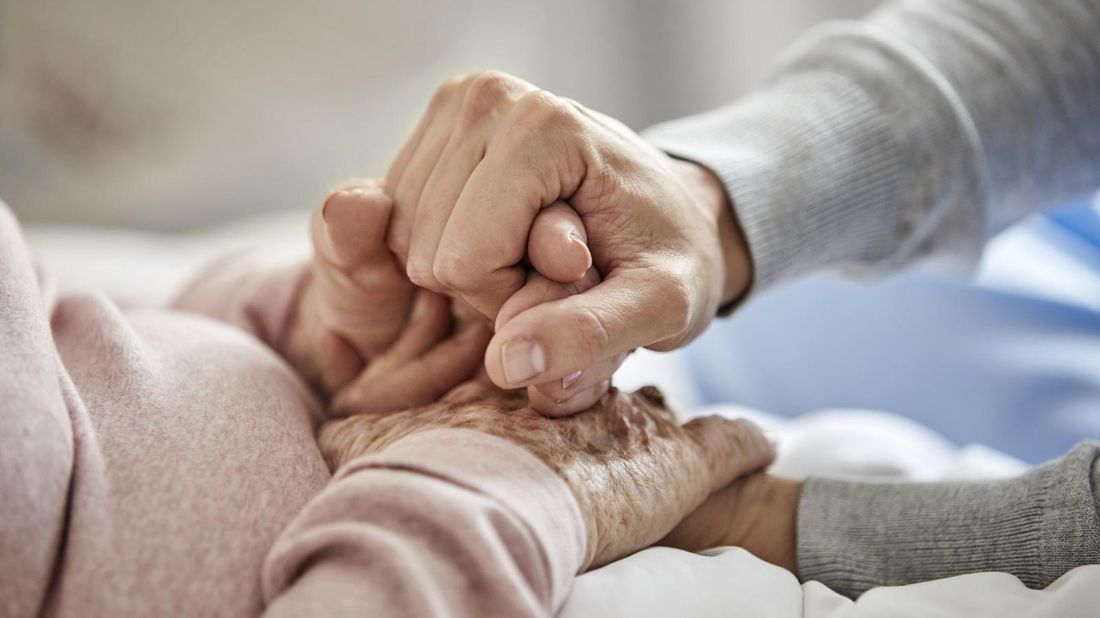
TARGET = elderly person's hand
x,y
489,154
634,470
362,328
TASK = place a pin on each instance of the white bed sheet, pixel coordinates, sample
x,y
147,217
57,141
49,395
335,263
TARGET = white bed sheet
x,y
143,268
731,583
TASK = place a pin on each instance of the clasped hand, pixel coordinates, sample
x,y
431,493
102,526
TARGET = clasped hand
x,y
396,360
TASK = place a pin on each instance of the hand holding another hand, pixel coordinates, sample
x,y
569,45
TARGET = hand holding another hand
x,y
366,336
489,155
363,333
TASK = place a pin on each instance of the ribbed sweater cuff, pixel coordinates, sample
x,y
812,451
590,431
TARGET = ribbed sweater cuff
x,y
853,536
508,473
828,165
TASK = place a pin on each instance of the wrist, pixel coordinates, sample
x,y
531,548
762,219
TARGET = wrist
x,y
758,513
766,522
736,261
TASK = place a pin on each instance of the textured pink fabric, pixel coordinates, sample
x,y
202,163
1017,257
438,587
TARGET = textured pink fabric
x,y
149,461
449,521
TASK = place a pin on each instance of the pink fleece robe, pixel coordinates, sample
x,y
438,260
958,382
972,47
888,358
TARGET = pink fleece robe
x,y
162,462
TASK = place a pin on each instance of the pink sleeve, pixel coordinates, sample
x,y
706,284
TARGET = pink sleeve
x,y
36,435
250,290
444,522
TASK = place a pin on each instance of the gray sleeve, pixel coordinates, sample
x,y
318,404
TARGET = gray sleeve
x,y
913,134
853,536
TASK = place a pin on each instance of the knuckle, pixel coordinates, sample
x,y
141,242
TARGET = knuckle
x,y
543,111
749,436
447,90
420,272
712,436
399,245
678,304
485,94
453,274
738,432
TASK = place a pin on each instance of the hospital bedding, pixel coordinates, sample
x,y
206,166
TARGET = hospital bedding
x,y
140,268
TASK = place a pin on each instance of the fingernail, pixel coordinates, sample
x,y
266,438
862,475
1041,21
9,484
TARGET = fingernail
x,y
587,259
570,380
328,202
523,360
347,193
771,437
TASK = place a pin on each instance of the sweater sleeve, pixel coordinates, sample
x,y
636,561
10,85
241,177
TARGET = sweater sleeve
x,y
913,134
36,434
853,536
445,522
252,290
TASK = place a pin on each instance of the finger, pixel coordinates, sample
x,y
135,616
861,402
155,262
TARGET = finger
x,y
582,400
575,392
539,290
534,163
557,246
553,339
459,158
400,230
352,225
410,186
466,392
728,449
340,362
420,381
483,100
365,295
439,98
429,322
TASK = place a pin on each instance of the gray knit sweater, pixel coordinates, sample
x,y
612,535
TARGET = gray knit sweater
x,y
915,134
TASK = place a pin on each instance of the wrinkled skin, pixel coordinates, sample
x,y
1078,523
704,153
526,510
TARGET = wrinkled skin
x,y
635,471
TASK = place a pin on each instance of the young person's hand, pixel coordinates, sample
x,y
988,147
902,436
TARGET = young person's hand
x,y
758,512
492,152
634,470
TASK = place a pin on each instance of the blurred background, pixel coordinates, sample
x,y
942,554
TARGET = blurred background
x,y
171,115
139,138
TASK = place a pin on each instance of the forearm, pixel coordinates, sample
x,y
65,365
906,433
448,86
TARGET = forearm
x,y
852,536
446,522
915,133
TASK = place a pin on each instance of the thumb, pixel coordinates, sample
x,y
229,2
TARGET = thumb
x,y
557,245
553,339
